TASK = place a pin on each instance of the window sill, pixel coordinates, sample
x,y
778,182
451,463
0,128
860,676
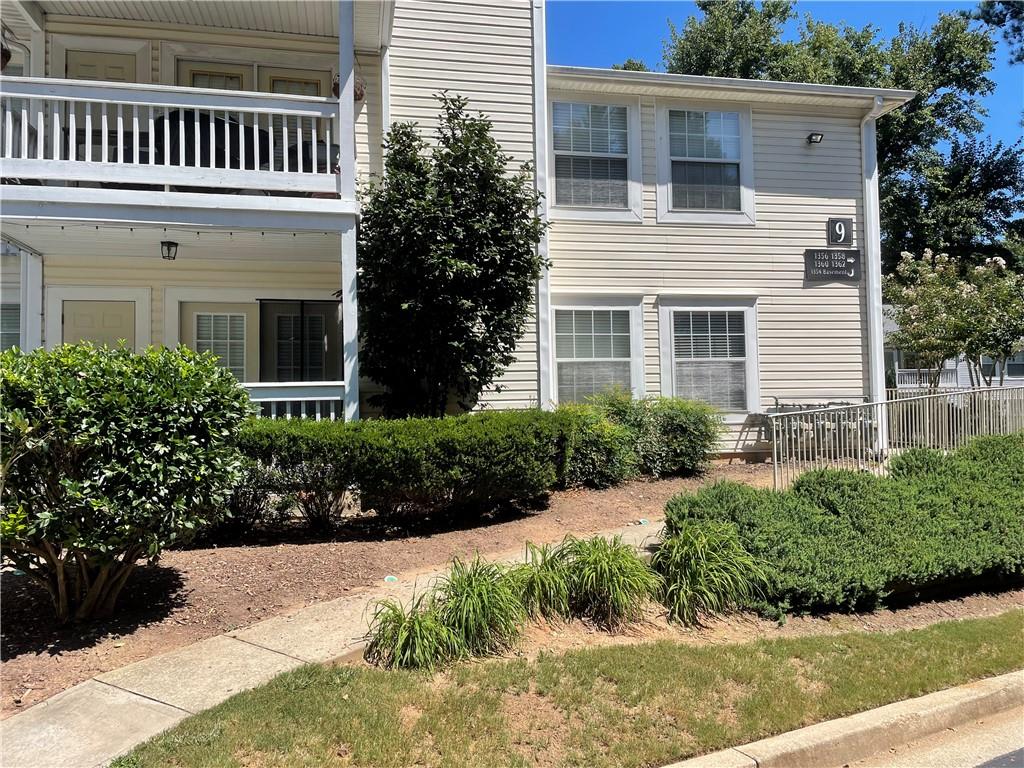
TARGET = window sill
x,y
711,218
594,214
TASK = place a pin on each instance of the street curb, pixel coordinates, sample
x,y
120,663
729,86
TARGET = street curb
x,y
843,741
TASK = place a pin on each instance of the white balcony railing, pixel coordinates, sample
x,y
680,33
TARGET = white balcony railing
x,y
922,378
319,400
165,137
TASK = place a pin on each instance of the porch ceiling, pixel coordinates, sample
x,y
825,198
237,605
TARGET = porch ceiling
x,y
90,241
301,17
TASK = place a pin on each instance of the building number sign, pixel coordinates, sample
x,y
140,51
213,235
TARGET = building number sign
x,y
840,231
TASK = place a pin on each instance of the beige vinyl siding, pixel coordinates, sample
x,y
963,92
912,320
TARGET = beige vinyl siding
x,y
810,337
481,50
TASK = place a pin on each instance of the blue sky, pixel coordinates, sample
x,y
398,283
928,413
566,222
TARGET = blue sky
x,y
598,34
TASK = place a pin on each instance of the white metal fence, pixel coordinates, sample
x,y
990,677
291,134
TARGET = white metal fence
x,y
318,400
865,436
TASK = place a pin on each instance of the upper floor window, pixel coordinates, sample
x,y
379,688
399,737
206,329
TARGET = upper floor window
x,y
705,169
594,161
224,335
591,155
704,149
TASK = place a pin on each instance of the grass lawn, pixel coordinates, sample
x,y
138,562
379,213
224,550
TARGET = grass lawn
x,y
641,705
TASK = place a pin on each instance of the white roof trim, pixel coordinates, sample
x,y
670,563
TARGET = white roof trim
x,y
665,84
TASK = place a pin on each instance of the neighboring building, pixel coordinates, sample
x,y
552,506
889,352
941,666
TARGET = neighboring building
x,y
681,207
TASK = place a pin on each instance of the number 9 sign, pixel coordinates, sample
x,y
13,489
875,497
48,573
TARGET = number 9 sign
x,y
840,231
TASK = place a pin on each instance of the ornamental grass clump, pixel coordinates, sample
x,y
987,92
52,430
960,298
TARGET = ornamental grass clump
x,y
543,582
705,571
411,637
608,581
480,603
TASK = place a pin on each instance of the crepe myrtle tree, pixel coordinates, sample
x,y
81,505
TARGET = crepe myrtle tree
x,y
944,310
997,321
106,458
448,264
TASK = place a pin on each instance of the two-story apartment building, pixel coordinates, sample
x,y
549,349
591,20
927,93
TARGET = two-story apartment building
x,y
187,173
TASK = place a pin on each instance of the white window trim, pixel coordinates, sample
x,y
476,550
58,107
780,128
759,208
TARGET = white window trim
x,y
636,332
174,296
229,315
141,49
747,305
746,216
171,52
56,295
634,163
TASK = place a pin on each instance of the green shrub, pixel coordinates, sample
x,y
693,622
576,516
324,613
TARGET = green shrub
x,y
249,506
671,436
543,582
597,453
689,431
479,601
411,638
108,457
916,461
706,570
461,463
311,465
842,539
608,581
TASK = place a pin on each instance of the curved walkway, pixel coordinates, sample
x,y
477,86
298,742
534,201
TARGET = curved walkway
x,y
92,723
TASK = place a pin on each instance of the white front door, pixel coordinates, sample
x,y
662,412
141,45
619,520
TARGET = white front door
x,y
101,322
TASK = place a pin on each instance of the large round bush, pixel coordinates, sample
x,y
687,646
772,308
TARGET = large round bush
x,y
108,457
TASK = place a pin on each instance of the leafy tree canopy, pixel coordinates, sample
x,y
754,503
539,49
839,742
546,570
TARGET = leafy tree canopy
x,y
927,147
632,65
449,264
1008,15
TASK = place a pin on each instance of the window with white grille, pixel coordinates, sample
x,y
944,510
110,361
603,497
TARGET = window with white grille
x,y
704,150
591,149
224,335
593,352
709,357
10,326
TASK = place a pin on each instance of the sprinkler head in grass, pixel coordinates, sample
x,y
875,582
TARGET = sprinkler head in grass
x,y
390,579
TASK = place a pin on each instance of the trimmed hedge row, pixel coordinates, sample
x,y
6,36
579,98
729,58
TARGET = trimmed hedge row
x,y
472,462
843,539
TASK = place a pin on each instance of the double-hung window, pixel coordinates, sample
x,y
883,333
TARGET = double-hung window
x,y
704,149
224,335
705,168
710,354
596,350
591,165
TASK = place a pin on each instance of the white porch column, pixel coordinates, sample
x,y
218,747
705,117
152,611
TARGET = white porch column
x,y
347,191
31,300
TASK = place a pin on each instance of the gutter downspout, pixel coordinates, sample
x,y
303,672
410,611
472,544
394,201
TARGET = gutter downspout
x,y
873,262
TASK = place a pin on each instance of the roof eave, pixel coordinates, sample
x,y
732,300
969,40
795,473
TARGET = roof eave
x,y
628,81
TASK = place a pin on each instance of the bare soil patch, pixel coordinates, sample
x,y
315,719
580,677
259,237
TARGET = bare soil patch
x,y
194,594
745,627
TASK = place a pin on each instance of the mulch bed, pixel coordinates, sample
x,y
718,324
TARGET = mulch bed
x,y
194,594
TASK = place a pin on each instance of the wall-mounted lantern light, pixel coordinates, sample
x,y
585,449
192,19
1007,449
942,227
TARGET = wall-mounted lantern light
x,y
169,249
815,137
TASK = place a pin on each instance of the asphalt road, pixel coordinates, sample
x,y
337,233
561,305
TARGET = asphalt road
x,y
995,742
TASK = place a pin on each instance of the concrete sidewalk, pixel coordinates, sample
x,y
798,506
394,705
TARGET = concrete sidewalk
x,y
92,723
